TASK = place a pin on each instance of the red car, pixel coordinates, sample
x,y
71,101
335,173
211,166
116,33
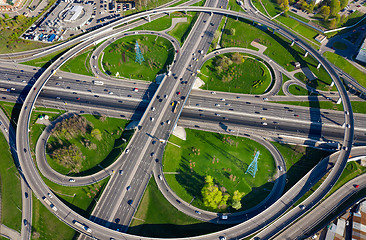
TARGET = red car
x,y
178,93
357,186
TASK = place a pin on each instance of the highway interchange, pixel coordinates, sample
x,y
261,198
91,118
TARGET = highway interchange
x,y
144,152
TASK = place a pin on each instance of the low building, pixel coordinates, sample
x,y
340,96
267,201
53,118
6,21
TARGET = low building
x,y
359,222
320,38
361,56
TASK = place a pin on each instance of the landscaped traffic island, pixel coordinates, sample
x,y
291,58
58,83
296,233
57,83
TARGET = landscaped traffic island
x,y
79,144
236,72
119,57
209,169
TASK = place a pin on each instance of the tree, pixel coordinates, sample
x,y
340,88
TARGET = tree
x,y
236,205
285,6
325,11
344,3
232,31
212,196
335,7
332,23
343,19
96,134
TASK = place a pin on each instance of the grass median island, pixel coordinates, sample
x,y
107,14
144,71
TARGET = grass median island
x,y
300,91
79,63
11,195
80,144
225,158
278,48
236,73
182,29
119,57
159,24
156,217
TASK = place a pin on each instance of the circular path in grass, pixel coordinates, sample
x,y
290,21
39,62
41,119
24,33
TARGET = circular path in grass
x,y
119,57
98,152
224,157
236,72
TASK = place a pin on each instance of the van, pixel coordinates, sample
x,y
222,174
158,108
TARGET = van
x,y
98,82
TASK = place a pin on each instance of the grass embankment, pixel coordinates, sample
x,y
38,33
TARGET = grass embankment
x,y
278,49
243,75
225,158
109,141
347,67
284,79
299,161
46,226
357,107
120,57
271,6
80,199
11,195
352,170
47,60
307,32
156,217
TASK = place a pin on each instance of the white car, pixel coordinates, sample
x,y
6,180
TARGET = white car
x,y
168,122
71,180
127,150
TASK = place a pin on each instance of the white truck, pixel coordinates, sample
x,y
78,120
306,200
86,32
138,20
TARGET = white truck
x,y
83,226
54,208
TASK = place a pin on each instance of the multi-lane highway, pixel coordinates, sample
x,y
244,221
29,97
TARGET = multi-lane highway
x,y
143,152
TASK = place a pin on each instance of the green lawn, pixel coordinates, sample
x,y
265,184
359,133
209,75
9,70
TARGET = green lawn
x,y
299,161
347,67
159,24
182,29
357,106
156,217
79,63
299,91
11,195
46,226
120,56
225,158
249,76
109,148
